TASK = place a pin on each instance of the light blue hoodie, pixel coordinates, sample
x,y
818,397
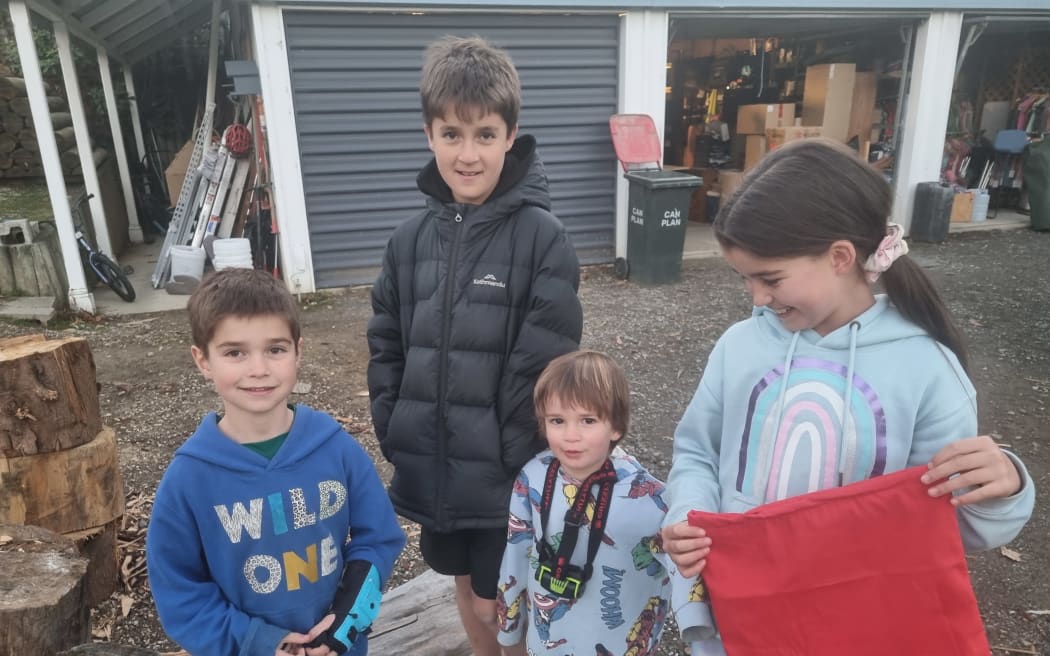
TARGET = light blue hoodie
x,y
747,438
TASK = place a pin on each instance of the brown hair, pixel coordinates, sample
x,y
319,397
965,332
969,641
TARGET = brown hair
x,y
808,194
589,380
468,75
239,293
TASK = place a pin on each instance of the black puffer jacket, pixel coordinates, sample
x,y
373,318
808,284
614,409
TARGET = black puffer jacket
x,y
471,305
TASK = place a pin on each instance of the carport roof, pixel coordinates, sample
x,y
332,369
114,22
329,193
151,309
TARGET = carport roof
x,y
128,30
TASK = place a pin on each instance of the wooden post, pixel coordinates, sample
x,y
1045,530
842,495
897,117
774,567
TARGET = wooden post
x,y
42,609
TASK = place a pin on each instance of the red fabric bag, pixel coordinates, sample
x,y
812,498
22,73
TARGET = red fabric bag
x,y
875,568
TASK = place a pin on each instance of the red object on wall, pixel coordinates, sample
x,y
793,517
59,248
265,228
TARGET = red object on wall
x,y
870,569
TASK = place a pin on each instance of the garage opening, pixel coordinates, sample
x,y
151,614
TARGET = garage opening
x,y
740,85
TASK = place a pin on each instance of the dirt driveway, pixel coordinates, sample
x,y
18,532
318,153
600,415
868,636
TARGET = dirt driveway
x,y
998,285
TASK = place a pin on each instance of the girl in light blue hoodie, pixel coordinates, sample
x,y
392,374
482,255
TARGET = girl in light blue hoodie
x,y
774,417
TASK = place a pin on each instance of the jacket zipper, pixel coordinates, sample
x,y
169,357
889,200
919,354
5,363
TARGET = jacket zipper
x,y
446,329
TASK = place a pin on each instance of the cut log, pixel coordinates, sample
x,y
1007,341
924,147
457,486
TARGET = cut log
x,y
65,137
61,120
64,491
99,546
21,105
42,609
12,87
420,618
26,158
48,397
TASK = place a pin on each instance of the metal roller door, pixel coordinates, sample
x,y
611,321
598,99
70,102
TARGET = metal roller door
x,y
355,85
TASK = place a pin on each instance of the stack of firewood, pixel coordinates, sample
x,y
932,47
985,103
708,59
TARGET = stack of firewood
x,y
62,490
19,151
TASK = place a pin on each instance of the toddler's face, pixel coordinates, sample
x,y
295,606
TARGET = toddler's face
x,y
470,154
579,438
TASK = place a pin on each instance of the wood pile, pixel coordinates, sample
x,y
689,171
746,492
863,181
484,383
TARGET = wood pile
x,y
58,462
19,150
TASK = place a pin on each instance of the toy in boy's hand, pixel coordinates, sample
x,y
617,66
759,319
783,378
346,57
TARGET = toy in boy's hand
x,y
355,607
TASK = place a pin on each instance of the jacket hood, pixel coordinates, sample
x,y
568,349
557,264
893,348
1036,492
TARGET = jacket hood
x,y
310,431
874,326
523,181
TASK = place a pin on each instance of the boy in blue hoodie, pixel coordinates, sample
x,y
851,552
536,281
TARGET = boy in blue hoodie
x,y
271,533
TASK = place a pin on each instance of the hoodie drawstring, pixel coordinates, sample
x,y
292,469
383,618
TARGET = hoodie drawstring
x,y
848,447
768,459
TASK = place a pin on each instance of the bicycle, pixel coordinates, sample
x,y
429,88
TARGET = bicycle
x,y
106,269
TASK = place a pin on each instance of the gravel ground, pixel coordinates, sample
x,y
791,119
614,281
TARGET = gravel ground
x,y
997,283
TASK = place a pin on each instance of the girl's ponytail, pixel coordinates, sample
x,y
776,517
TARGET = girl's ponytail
x,y
914,295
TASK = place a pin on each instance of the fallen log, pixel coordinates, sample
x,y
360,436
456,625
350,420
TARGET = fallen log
x,y
420,618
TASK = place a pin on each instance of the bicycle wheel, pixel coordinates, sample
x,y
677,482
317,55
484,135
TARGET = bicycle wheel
x,y
110,273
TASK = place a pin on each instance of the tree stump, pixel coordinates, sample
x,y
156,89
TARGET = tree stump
x,y
48,395
42,609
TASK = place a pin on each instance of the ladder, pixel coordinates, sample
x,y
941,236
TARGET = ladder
x,y
183,215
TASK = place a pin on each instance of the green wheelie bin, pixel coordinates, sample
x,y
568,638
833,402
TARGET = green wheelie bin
x,y
658,202
658,209
1036,171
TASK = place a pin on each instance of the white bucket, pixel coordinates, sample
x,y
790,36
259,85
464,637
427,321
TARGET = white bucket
x,y
232,263
233,247
187,261
980,205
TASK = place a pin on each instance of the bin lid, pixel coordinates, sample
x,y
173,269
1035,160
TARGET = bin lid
x,y
636,142
664,179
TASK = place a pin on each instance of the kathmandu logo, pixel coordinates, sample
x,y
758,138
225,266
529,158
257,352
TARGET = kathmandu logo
x,y
490,281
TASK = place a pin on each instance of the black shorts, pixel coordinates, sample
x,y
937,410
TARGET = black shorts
x,y
471,552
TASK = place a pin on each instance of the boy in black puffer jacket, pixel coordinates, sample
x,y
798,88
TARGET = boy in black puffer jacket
x,y
476,295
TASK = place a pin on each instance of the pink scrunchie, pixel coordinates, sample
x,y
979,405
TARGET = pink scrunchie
x,y
890,248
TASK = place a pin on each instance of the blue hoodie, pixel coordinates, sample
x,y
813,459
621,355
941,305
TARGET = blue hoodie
x,y
242,550
747,438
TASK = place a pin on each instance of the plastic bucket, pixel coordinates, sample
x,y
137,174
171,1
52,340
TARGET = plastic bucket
x,y
187,261
980,205
221,263
233,247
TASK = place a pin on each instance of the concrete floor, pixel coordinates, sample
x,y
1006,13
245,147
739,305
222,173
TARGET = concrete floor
x,y
699,243
143,259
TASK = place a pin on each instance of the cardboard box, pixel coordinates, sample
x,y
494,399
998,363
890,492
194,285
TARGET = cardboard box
x,y
962,207
176,171
754,150
728,181
861,109
827,100
756,119
777,137
698,200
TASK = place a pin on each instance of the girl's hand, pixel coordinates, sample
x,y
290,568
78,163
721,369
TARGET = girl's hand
x,y
687,546
975,462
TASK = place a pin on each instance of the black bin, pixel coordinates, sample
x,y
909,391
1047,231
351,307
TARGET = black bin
x,y
658,208
932,212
